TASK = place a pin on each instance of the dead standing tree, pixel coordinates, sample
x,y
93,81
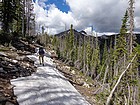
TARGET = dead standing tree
x,y
134,97
131,21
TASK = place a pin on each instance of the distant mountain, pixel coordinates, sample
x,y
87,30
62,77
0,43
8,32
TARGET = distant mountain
x,y
82,34
77,34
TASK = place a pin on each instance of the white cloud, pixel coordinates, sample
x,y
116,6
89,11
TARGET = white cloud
x,y
137,15
59,20
137,22
41,16
103,15
88,30
53,18
42,3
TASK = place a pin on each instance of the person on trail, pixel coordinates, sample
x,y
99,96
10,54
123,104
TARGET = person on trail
x,y
41,53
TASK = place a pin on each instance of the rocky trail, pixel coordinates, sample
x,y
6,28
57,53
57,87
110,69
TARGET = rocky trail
x,y
15,63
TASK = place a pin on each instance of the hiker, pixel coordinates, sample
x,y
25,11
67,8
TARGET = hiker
x,y
41,53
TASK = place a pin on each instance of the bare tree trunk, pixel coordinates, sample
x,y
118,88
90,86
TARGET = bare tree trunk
x,y
23,18
128,94
84,68
105,75
131,14
125,100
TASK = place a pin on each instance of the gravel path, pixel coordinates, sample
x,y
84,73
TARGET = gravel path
x,y
46,87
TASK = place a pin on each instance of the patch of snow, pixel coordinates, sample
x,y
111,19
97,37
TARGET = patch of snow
x,y
46,87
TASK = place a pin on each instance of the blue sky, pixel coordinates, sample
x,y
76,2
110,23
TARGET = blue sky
x,y
103,15
60,4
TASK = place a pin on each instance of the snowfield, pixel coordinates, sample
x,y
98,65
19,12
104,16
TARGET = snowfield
x,y
46,87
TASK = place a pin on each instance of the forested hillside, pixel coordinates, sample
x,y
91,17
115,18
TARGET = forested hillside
x,y
111,61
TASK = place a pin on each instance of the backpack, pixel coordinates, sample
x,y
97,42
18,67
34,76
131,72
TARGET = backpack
x,y
41,51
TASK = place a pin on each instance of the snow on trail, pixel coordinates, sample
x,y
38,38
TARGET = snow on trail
x,y
46,87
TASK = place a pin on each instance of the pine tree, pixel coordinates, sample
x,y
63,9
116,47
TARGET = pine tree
x,y
8,8
71,43
120,60
12,16
95,59
88,57
125,56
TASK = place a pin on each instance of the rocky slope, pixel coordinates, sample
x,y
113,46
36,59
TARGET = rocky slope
x,y
13,64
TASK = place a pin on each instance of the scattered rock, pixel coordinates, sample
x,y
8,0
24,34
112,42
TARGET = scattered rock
x,y
73,72
2,54
2,71
26,59
13,64
86,85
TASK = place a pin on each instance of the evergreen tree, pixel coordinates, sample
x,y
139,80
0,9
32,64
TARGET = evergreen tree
x,y
119,55
95,59
8,8
122,38
71,43
12,16
88,57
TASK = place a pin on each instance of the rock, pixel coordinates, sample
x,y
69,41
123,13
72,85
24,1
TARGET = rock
x,y
2,71
28,60
12,48
20,58
86,85
14,64
10,87
3,99
14,70
9,103
66,68
20,52
73,72
15,61
53,54
14,77
3,54
12,55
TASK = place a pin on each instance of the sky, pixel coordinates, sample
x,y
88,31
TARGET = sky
x,y
104,16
